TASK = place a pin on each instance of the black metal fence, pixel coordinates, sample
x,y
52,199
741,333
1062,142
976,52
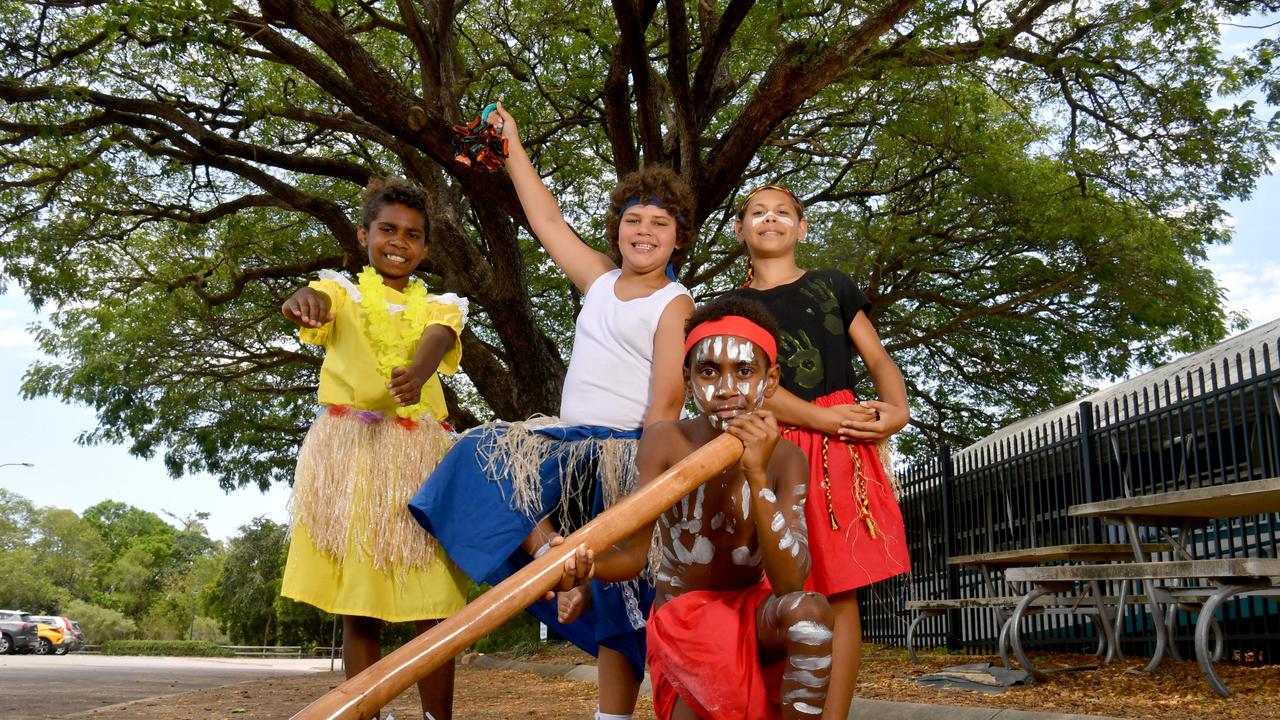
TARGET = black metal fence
x,y
1207,425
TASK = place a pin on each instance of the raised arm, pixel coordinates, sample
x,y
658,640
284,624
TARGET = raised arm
x,y
308,307
776,473
579,262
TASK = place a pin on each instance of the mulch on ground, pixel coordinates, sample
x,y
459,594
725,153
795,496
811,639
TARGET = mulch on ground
x,y
1176,691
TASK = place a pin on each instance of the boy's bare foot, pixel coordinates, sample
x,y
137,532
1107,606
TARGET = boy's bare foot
x,y
570,604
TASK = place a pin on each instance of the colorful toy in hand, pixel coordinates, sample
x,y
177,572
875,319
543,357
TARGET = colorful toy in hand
x,y
479,144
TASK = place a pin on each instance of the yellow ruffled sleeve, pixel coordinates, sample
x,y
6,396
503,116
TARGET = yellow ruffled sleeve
x,y
450,311
337,298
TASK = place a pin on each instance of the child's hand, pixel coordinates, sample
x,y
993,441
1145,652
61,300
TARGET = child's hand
x,y
758,431
834,417
406,385
578,569
885,420
308,307
505,124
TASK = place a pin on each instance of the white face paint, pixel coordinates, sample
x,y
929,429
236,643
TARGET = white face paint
x,y
744,556
808,632
811,662
717,521
807,709
767,495
746,500
787,539
789,222
702,352
736,350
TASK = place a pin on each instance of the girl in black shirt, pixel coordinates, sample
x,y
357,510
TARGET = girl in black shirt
x,y
855,526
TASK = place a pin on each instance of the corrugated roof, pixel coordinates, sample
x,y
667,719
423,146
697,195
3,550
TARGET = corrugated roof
x,y
1200,367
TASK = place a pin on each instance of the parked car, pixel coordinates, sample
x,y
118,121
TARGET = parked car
x,y
49,641
18,632
56,635
79,634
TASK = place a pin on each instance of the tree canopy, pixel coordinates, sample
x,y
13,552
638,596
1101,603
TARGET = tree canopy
x,y
1025,189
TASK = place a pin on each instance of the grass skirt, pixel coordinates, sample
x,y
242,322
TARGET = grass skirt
x,y
499,480
354,549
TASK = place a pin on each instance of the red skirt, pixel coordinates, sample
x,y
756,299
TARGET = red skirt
x,y
856,535
703,649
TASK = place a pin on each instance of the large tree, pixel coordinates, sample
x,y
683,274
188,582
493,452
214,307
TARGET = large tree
x,y
1025,188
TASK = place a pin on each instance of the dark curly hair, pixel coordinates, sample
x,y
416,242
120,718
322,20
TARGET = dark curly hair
x,y
661,182
381,192
733,304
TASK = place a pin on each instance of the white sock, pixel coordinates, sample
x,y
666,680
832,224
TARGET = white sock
x,y
610,716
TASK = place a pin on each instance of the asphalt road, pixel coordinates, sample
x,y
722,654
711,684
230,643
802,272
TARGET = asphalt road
x,y
46,686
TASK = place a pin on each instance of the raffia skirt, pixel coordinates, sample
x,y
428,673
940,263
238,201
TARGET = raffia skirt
x,y
499,480
354,549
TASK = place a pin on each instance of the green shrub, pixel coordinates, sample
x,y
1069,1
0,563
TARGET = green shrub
x,y
171,648
100,625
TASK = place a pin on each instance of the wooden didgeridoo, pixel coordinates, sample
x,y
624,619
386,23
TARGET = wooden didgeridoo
x,y
363,695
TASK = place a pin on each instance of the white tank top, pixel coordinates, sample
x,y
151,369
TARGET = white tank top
x,y
612,362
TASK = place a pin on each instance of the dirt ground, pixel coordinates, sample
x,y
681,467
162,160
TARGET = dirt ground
x,y
1176,691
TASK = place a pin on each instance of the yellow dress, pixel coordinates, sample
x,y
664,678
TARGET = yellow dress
x,y
354,548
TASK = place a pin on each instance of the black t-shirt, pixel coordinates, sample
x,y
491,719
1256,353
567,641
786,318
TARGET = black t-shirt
x,y
814,314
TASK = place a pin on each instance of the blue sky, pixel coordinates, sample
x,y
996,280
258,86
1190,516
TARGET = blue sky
x,y
65,474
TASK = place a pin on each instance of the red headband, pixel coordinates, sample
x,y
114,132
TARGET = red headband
x,y
737,326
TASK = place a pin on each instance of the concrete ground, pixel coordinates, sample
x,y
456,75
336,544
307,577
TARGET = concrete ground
x,y
41,686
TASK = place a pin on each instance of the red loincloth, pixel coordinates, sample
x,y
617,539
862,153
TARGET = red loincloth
x,y
703,649
870,543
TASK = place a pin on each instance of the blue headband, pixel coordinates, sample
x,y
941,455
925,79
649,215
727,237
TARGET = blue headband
x,y
656,202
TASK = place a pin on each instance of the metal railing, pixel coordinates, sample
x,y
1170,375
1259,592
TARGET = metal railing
x,y
278,651
1208,425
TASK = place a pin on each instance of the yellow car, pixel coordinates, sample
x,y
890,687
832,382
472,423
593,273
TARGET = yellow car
x,y
51,641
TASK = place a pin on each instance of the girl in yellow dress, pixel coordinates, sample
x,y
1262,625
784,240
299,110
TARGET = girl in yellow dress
x,y
355,551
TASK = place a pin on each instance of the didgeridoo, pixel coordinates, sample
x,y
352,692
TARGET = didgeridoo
x,y
363,695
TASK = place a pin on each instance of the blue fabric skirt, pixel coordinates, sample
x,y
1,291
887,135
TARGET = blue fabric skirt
x,y
472,515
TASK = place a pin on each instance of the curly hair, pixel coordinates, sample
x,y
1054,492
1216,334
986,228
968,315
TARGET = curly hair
x,y
733,304
381,192
655,181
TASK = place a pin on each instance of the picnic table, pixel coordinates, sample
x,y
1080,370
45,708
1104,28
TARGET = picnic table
x,y
1227,577
991,565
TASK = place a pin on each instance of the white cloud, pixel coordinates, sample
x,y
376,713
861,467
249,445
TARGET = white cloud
x,y
13,331
1253,288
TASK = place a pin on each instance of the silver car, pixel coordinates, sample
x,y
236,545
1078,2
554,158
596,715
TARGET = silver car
x,y
18,632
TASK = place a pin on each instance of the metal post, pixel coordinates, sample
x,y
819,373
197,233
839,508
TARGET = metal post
x,y
1087,460
949,546
333,644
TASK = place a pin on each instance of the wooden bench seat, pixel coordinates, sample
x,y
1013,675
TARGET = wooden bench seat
x,y
1228,577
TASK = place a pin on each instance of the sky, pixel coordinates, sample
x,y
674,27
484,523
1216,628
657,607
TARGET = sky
x,y
43,431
